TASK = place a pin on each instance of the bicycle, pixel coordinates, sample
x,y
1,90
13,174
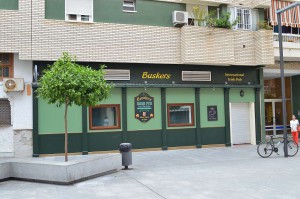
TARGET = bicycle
x,y
265,150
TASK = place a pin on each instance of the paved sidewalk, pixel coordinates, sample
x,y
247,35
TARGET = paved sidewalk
x,y
233,172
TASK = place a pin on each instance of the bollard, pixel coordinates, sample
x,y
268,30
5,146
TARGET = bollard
x,y
125,150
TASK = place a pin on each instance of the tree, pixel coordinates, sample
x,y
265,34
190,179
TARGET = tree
x,y
68,83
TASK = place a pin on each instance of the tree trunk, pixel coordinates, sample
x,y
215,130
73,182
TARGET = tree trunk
x,y
66,129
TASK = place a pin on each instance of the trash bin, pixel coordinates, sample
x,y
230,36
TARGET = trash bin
x,y
125,150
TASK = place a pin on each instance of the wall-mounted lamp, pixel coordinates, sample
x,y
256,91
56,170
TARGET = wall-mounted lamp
x,y
242,93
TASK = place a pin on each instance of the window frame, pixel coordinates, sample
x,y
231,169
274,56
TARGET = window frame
x,y
128,6
118,115
181,124
80,15
242,20
8,116
10,65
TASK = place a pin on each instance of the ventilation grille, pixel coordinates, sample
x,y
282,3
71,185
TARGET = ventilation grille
x,y
111,74
196,76
5,116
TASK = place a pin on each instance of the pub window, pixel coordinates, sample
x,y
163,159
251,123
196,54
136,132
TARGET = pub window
x,y
6,65
181,114
5,113
105,117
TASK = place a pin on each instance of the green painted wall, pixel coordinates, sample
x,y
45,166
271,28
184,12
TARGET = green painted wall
x,y
114,98
181,137
149,12
213,135
104,141
50,144
55,9
181,95
51,118
211,97
234,95
135,124
9,4
142,139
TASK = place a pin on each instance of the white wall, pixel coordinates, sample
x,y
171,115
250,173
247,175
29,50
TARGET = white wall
x,y
21,111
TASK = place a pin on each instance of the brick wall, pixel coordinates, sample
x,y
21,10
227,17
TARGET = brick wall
x,y
107,42
226,47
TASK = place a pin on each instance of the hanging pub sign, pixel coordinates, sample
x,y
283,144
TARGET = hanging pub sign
x,y
144,107
212,113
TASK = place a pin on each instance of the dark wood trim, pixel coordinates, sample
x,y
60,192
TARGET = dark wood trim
x,y
117,106
85,149
10,65
124,115
257,115
198,117
227,117
181,104
163,120
35,130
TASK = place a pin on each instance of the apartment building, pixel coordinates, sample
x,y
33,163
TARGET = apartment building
x,y
290,21
178,82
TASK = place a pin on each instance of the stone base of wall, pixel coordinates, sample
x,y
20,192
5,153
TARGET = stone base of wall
x,y
6,141
15,143
23,143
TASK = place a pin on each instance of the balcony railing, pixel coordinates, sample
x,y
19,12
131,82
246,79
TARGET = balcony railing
x,y
287,38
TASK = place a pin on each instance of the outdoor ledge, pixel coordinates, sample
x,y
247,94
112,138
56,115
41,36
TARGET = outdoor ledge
x,y
55,171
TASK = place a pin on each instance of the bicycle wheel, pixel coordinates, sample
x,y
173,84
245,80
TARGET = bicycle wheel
x,y
264,150
292,148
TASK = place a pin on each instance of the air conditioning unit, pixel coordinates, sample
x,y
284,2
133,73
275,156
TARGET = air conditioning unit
x,y
13,84
179,18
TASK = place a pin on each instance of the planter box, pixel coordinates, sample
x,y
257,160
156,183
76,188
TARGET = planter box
x,y
55,171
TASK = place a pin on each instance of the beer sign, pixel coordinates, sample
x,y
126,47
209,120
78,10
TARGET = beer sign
x,y
144,107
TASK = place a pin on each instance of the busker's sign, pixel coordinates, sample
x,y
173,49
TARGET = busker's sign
x,y
144,107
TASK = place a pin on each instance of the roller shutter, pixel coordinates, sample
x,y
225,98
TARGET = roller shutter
x,y
240,123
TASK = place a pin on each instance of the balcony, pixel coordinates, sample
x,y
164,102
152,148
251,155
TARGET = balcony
x,y
226,47
291,47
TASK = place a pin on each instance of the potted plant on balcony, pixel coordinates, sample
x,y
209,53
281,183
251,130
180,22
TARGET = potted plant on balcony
x,y
221,22
199,16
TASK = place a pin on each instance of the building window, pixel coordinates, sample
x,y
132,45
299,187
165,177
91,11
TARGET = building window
x,y
105,117
244,18
5,116
79,10
6,65
180,114
129,5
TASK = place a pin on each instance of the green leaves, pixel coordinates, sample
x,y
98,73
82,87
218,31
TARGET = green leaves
x,y
65,78
222,22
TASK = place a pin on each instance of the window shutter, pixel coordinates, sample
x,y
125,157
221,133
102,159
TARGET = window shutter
x,y
233,16
254,19
79,7
5,116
